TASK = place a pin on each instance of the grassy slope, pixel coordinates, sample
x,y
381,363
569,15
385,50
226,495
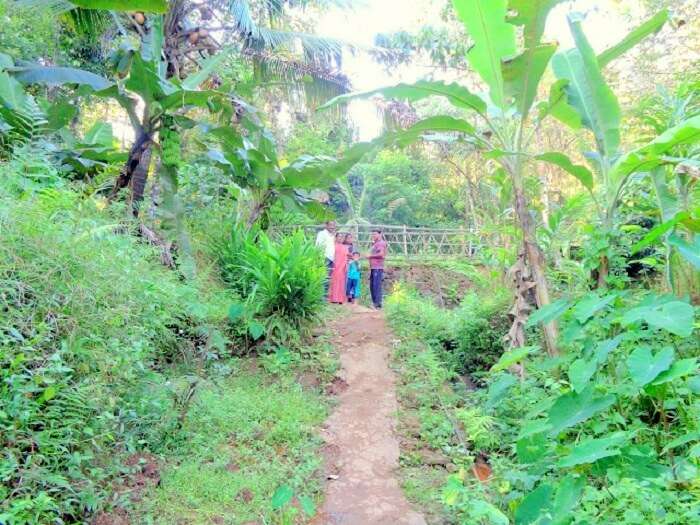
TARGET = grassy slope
x,y
99,345
245,438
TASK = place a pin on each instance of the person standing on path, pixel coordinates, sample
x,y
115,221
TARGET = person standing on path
x,y
376,258
325,240
339,276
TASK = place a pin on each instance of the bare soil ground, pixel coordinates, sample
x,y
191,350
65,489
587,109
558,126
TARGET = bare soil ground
x,y
362,448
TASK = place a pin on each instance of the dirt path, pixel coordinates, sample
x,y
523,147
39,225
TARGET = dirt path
x,y
362,447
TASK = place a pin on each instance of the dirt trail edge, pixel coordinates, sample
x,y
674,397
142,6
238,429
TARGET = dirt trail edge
x,y
362,450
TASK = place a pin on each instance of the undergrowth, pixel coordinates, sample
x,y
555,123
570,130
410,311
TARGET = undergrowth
x,y
606,433
108,357
244,438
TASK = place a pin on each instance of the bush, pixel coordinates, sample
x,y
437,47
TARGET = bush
x,y
280,281
468,339
479,331
88,318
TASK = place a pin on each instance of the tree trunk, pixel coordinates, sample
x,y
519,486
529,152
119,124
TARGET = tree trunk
x,y
535,259
135,171
603,272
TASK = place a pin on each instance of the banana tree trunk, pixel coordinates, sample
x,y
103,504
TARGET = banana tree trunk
x,y
535,259
134,174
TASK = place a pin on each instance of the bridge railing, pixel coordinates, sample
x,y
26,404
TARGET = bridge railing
x,y
403,240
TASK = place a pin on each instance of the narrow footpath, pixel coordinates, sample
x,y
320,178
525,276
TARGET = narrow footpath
x,y
362,449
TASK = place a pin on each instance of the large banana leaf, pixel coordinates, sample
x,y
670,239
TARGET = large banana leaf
x,y
206,68
522,74
459,96
153,6
558,106
582,173
312,172
494,41
532,15
653,25
437,124
54,76
588,92
144,80
653,154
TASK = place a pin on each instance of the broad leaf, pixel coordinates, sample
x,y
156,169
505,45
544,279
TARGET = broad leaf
x,y
457,95
100,133
152,46
144,80
440,123
591,450
307,505
549,312
534,505
558,106
483,510
206,68
674,316
681,368
604,348
56,76
532,448
653,25
590,305
12,93
498,389
680,441
580,373
651,155
690,252
532,15
256,329
588,92
573,408
659,231
522,75
150,6
512,357
644,366
582,173
236,311
494,41
567,498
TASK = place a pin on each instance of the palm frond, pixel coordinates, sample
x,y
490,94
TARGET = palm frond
x,y
317,83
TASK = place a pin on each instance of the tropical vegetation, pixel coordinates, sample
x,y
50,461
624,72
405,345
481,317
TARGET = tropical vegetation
x,y
162,302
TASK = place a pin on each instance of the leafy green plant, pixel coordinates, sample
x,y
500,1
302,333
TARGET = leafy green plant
x,y
281,281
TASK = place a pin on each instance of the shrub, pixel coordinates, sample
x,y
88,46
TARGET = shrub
x,y
481,325
281,281
468,339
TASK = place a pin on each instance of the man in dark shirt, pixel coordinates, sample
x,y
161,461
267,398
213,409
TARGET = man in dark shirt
x,y
376,264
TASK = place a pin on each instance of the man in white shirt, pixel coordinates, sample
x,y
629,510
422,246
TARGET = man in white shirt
x,y
325,240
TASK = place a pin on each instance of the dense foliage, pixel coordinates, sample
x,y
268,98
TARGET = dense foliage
x,y
577,438
156,324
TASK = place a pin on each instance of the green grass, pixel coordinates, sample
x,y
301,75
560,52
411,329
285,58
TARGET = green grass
x,y
244,438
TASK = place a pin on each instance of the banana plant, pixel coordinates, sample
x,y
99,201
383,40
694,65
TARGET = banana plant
x,y
503,123
596,108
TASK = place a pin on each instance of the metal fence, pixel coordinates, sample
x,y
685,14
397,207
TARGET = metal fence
x,y
404,240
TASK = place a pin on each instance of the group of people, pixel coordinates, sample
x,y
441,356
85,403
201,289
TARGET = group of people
x,y
343,265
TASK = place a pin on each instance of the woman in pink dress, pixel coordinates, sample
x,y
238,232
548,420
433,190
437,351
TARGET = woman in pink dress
x,y
339,277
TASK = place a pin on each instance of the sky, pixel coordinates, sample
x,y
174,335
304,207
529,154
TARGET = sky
x,y
359,24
